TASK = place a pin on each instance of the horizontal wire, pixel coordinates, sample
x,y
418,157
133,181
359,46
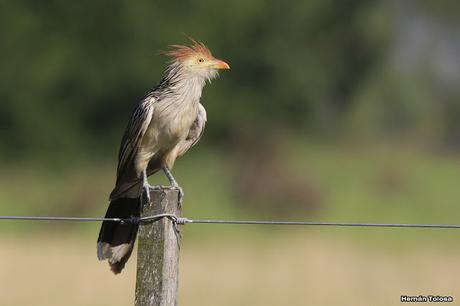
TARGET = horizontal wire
x,y
313,223
28,218
97,219
182,220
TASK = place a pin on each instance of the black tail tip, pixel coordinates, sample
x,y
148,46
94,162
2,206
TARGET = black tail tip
x,y
116,268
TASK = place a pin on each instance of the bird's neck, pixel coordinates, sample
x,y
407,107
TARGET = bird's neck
x,y
184,83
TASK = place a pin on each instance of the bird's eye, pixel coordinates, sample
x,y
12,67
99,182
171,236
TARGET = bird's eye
x,y
200,60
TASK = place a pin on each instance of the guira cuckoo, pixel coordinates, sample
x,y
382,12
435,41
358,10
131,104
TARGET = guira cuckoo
x,y
167,122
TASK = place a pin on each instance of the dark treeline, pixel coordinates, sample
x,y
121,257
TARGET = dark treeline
x,y
72,71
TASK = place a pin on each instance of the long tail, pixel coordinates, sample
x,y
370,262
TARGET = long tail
x,y
116,240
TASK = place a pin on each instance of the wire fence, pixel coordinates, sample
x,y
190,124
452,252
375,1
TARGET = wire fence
x,y
182,221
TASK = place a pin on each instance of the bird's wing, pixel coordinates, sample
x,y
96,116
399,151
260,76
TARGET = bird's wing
x,y
134,133
195,133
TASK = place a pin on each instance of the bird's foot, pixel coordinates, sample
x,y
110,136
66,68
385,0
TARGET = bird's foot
x,y
180,196
147,188
174,184
146,191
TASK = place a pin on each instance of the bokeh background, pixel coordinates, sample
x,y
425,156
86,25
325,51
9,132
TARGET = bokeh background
x,y
340,111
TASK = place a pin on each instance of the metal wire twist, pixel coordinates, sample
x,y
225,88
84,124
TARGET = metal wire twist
x,y
182,220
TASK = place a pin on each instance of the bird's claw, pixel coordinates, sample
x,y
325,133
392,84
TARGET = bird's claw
x,y
180,196
146,192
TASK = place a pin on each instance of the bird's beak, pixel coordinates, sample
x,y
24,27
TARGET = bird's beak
x,y
218,64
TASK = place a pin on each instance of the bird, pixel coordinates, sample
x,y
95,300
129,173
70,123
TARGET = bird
x,y
166,123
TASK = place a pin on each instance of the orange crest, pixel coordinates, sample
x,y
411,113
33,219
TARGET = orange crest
x,y
182,52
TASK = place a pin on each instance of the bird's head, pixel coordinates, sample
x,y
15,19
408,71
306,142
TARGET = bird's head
x,y
196,59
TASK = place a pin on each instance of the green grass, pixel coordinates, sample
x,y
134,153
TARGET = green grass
x,y
384,184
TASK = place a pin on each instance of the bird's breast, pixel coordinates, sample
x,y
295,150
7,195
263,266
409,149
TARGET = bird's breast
x,y
171,123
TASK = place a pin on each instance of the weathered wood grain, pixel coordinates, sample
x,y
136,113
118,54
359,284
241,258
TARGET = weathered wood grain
x,y
158,252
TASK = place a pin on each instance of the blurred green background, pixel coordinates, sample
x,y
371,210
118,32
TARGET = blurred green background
x,y
333,111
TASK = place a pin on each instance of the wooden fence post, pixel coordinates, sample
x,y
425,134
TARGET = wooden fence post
x,y
157,277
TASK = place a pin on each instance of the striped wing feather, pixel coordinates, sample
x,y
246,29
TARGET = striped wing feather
x,y
195,133
134,133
